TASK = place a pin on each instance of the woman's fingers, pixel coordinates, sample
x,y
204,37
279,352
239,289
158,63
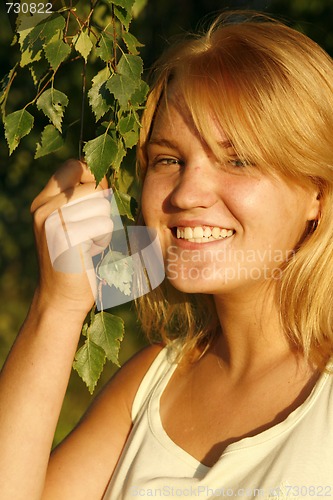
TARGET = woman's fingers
x,y
83,199
78,227
72,219
71,175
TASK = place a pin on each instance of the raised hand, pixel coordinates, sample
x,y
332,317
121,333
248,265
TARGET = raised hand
x,y
72,223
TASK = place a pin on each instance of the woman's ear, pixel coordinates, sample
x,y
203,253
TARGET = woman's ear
x,y
314,208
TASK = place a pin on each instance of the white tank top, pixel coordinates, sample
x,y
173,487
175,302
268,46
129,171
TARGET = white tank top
x,y
291,460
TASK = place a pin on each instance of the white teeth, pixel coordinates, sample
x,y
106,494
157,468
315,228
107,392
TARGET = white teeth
x,y
202,234
198,232
188,233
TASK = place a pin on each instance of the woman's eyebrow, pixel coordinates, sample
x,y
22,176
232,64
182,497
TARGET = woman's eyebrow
x,y
225,144
162,142
167,143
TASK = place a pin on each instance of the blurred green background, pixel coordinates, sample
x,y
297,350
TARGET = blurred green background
x,y
22,177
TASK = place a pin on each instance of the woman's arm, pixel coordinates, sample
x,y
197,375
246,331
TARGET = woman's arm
x,y
81,466
35,376
32,387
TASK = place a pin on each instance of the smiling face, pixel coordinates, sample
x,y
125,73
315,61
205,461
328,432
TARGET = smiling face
x,y
223,225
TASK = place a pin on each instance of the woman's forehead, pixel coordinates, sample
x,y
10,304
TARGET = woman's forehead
x,y
174,113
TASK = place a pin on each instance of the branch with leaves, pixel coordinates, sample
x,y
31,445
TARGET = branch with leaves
x,y
97,33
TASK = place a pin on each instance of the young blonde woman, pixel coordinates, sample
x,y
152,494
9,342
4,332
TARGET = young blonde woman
x,y
236,157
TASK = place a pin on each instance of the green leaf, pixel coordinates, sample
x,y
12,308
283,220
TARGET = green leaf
x,y
30,52
107,331
25,21
38,69
34,31
89,362
56,52
46,29
124,16
131,66
86,324
131,138
129,129
5,85
17,125
121,153
126,123
51,140
124,202
140,94
125,181
122,10
131,42
117,270
99,155
100,98
83,44
104,48
122,87
128,78
53,103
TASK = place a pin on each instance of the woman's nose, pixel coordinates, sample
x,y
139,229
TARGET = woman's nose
x,y
195,187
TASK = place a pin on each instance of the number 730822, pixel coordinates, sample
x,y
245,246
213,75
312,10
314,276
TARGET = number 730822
x,y
29,8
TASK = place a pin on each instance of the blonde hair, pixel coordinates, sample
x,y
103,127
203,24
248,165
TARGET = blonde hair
x,y
270,88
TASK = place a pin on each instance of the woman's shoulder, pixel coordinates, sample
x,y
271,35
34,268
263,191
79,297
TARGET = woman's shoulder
x,y
105,427
132,373
143,371
116,399
128,379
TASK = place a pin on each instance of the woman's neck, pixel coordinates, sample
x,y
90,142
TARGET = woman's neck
x,y
252,334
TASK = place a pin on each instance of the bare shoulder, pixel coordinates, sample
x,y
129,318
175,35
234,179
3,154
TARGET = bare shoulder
x,y
129,377
100,436
124,384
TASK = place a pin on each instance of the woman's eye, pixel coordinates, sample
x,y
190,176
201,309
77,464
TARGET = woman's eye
x,y
167,161
237,162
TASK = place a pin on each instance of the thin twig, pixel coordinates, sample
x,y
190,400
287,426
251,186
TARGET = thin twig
x,y
67,20
79,21
114,38
84,81
41,91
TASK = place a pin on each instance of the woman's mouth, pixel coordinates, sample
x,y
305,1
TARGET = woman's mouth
x,y
202,234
